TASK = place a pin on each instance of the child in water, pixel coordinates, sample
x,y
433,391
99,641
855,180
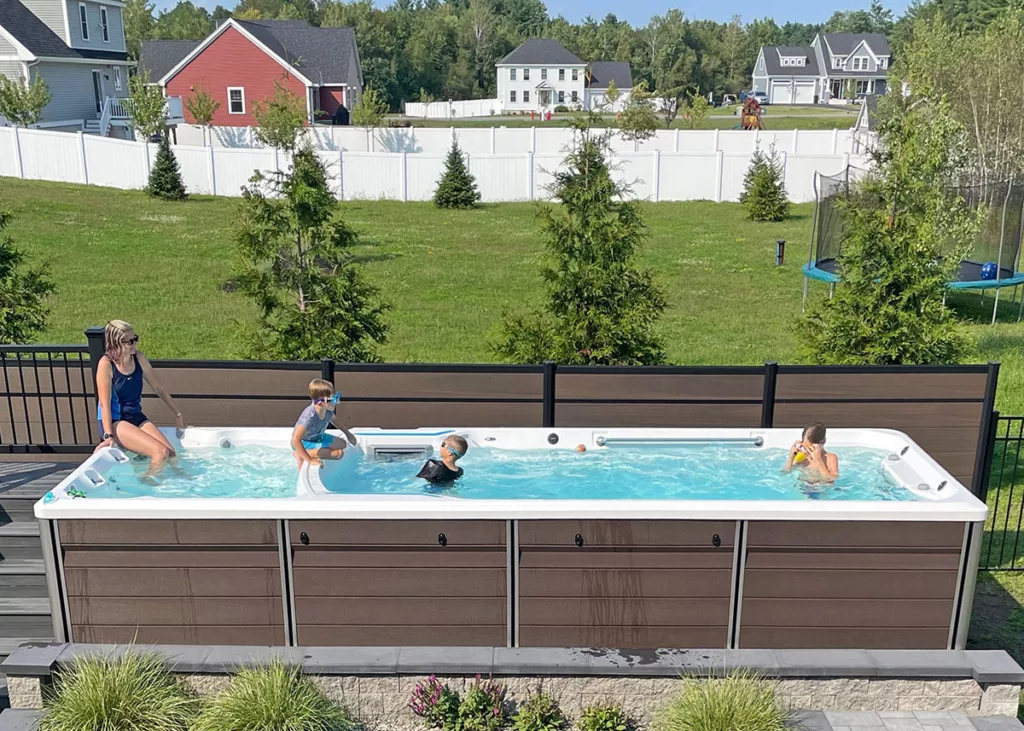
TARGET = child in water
x,y
439,471
310,440
809,456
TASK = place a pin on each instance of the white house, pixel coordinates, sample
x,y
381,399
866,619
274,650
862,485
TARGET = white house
x,y
832,67
78,48
541,74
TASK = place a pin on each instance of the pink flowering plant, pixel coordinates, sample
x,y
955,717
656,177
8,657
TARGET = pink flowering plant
x,y
485,707
436,703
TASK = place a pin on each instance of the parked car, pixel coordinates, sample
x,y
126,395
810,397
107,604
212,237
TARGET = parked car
x,y
761,97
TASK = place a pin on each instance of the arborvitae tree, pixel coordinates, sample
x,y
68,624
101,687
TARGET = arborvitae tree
x,y
601,308
457,186
297,267
889,309
764,192
23,292
165,176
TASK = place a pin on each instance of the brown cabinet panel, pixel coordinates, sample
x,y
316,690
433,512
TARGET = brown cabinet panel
x,y
397,582
890,559
643,612
625,583
871,584
624,558
847,612
401,635
171,557
397,533
168,532
452,557
628,533
401,610
627,637
179,635
854,638
229,611
173,582
855,534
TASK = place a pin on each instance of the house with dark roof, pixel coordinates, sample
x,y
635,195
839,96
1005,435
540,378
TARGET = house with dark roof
x,y
541,74
240,63
834,68
77,47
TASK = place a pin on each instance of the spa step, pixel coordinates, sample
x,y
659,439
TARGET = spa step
x,y
10,644
22,567
22,578
28,607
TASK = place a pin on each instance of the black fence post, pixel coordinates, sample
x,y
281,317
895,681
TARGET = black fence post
x,y
771,375
94,335
983,455
327,369
990,453
549,394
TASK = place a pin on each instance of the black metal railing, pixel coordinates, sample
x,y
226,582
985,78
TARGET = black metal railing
x,y
1003,549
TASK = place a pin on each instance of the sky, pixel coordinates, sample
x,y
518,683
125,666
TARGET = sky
x,y
638,12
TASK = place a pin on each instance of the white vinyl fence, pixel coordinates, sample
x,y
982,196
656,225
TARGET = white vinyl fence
x,y
538,140
504,176
452,109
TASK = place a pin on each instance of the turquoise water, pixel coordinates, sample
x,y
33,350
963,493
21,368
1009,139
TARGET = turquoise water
x,y
634,473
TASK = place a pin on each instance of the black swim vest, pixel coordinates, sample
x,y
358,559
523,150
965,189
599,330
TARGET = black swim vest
x,y
434,470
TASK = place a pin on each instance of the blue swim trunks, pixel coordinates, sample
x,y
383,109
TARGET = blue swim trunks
x,y
323,441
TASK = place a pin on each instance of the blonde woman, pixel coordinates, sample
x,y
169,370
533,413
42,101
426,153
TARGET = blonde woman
x,y
119,378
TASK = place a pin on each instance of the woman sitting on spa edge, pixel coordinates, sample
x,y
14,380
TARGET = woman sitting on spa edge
x,y
119,377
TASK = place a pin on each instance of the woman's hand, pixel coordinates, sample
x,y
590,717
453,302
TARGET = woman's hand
x,y
816,456
104,443
181,422
795,449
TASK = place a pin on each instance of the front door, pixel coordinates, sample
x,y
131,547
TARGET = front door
x,y
545,98
97,88
836,89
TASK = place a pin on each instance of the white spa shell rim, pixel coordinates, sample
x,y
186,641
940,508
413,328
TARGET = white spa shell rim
x,y
913,468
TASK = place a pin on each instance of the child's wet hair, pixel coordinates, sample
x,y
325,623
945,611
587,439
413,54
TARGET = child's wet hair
x,y
458,443
320,389
814,433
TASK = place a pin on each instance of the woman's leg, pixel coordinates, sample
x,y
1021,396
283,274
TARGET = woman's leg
x,y
136,440
151,429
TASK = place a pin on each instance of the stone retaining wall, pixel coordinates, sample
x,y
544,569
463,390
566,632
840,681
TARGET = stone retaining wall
x,y
375,684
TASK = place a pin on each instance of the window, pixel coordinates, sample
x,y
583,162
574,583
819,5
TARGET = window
x,y
883,62
236,100
511,74
561,74
512,96
860,64
526,74
526,96
103,24
574,97
83,18
117,78
575,74
561,97
864,86
838,62
543,74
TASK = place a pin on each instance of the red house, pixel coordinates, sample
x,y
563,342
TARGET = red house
x,y
240,62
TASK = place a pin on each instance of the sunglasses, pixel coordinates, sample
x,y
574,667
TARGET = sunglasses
x,y
133,340
450,448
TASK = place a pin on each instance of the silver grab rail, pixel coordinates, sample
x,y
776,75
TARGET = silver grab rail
x,y
603,441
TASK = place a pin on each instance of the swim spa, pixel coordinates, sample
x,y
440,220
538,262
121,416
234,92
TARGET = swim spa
x,y
643,540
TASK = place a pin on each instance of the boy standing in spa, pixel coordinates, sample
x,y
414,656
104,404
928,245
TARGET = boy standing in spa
x,y
809,456
310,440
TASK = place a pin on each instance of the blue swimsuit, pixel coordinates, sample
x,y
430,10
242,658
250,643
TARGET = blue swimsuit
x,y
125,398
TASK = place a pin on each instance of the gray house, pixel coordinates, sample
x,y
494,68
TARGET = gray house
x,y
833,67
78,48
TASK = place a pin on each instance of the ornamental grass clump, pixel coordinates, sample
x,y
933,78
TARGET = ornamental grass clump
x,y
436,703
134,692
277,697
539,712
739,702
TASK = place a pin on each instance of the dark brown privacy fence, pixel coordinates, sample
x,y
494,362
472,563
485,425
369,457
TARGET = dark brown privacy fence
x,y
48,402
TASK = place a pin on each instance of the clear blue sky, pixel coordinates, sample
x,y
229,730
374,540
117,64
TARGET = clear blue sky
x,y
638,12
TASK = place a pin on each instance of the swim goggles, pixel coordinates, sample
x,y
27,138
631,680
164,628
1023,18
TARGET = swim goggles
x,y
333,400
451,449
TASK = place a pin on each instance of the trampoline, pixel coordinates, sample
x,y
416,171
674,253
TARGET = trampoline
x,y
998,240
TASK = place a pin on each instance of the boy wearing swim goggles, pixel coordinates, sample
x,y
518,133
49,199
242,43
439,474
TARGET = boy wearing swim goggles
x,y
310,440
453,448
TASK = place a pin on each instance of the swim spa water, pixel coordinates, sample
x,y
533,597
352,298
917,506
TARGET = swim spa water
x,y
633,473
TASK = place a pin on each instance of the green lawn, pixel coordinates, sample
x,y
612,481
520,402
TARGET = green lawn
x,y
164,267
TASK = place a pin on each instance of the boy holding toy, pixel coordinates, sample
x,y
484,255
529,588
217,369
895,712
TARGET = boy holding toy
x,y
310,440
809,456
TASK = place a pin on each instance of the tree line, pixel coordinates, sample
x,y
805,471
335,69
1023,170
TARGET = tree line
x,y
425,50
